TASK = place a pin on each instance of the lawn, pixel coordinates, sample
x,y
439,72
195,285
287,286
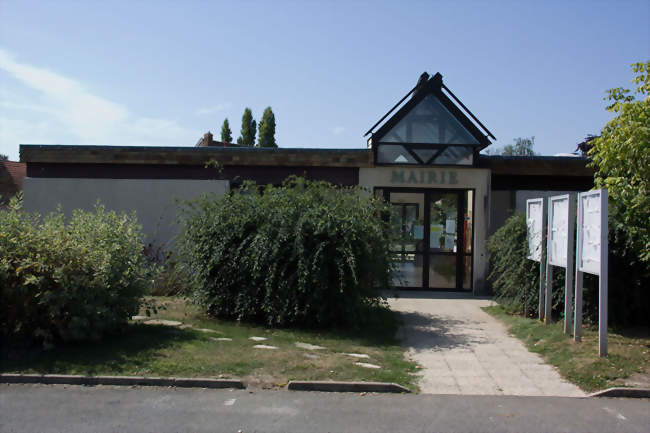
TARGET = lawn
x,y
158,350
628,351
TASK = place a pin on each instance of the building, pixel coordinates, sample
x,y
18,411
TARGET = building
x,y
12,174
422,157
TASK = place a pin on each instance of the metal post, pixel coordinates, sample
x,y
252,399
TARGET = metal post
x,y
542,264
577,318
568,277
602,280
549,269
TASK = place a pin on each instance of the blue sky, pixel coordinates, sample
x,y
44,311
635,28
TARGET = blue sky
x,y
163,73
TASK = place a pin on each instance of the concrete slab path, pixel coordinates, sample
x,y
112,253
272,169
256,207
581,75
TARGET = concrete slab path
x,y
464,350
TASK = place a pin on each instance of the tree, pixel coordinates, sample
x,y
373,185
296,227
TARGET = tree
x,y
248,128
267,129
520,147
226,133
621,158
3,157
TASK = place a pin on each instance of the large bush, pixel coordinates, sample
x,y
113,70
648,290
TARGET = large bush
x,y
306,253
68,281
515,279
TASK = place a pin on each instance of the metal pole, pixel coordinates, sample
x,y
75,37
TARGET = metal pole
x,y
568,277
577,318
602,280
549,269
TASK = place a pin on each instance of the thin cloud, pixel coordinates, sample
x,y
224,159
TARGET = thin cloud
x,y
212,110
64,111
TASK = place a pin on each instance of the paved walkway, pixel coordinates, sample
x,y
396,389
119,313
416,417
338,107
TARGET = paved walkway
x,y
464,350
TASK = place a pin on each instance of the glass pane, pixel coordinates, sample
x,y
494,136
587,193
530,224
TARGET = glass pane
x,y
426,154
457,155
394,154
442,272
429,122
443,232
407,220
408,272
469,221
467,272
379,193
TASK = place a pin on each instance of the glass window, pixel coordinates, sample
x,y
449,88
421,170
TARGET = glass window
x,y
426,154
408,272
442,272
457,155
429,122
467,272
394,154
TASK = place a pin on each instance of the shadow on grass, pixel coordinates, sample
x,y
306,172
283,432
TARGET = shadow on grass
x,y
130,349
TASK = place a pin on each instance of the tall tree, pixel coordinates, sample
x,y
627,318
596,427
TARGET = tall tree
x,y
226,133
248,128
267,129
621,157
521,147
3,157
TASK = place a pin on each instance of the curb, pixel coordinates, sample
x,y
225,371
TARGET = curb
x,y
66,379
623,392
330,386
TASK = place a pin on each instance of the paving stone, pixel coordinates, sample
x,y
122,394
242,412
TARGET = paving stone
x,y
366,365
264,346
185,326
220,339
308,346
358,355
311,356
257,338
163,322
137,318
209,331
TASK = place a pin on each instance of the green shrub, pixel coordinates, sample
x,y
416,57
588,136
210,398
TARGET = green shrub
x,y
306,253
515,279
168,277
71,281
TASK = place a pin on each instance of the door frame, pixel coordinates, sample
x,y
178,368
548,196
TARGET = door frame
x,y
460,253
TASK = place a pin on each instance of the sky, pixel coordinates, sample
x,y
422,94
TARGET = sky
x,y
162,73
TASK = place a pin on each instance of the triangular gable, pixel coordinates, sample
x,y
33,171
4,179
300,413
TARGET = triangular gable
x,y
431,118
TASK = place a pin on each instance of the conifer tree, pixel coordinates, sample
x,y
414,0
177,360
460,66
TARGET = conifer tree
x,y
248,128
226,133
267,129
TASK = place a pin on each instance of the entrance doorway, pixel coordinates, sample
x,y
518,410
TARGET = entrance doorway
x,y
433,231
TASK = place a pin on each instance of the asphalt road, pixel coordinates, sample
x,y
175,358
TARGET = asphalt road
x,y
58,408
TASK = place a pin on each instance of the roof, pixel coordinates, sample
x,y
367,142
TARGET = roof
x,y
536,165
233,156
434,86
16,171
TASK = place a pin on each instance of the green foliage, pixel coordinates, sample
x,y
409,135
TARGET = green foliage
x,y
267,129
68,281
248,128
226,133
306,253
621,157
520,147
3,157
515,279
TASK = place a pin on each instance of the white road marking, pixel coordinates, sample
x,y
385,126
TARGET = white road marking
x,y
229,402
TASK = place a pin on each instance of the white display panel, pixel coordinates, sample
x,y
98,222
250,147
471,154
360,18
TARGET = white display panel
x,y
558,240
535,224
589,229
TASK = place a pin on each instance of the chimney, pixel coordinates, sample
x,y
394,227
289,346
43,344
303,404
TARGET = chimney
x,y
206,140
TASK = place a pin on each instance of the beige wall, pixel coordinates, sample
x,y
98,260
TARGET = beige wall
x,y
154,200
444,178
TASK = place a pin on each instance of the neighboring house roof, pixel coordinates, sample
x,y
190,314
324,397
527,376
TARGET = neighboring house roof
x,y
11,178
16,171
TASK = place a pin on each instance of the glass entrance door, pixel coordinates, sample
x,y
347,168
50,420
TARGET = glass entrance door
x,y
433,238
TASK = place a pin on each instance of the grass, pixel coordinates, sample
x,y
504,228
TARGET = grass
x,y
628,351
156,350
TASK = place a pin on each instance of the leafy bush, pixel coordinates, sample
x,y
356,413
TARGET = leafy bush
x,y
69,281
306,253
168,277
515,279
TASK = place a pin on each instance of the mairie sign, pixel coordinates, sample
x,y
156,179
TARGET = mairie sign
x,y
424,177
